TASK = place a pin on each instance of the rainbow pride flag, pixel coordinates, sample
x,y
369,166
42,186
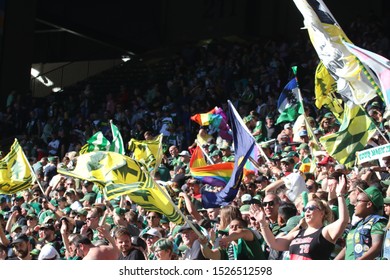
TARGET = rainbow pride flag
x,y
216,119
215,175
197,158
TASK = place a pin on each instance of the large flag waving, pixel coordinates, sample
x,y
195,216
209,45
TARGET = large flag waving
x,y
289,106
243,143
325,89
117,141
148,152
216,119
15,171
215,174
353,135
98,142
325,35
379,64
121,175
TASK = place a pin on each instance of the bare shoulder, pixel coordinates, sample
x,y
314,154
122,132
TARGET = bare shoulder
x,y
102,253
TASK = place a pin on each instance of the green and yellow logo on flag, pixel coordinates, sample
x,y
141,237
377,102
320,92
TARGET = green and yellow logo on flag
x,y
15,171
148,152
353,135
120,175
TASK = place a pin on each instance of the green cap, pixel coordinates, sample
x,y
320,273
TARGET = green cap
x,y
386,200
216,153
248,118
212,147
120,211
35,252
82,212
54,202
287,149
328,115
15,227
244,209
90,197
292,154
291,223
303,146
375,196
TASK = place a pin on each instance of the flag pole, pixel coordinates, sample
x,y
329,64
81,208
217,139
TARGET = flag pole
x,y
174,205
32,171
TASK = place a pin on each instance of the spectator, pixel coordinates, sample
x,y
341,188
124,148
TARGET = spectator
x,y
317,237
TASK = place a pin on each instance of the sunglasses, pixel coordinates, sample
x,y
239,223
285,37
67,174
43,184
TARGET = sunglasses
x,y
89,218
311,208
268,203
152,217
150,236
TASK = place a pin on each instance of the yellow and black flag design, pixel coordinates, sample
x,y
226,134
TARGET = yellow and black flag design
x,y
121,175
15,171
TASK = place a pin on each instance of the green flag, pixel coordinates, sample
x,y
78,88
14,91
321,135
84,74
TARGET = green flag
x,y
289,106
117,141
96,143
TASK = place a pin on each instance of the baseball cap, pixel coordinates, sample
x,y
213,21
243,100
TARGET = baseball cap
x,y
48,226
326,160
187,226
120,211
48,252
184,154
82,212
291,223
244,209
386,200
303,146
246,198
89,196
287,125
152,232
375,196
216,153
20,238
302,133
288,160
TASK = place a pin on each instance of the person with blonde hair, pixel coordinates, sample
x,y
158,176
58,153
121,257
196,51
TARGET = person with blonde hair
x,y
317,240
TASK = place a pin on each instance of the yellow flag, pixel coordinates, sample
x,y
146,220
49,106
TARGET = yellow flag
x,y
148,152
15,171
121,175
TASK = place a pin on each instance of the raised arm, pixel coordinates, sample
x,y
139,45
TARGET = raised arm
x,y
190,207
333,231
212,254
281,243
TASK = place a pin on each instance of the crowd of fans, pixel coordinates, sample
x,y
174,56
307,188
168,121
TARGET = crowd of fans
x,y
343,214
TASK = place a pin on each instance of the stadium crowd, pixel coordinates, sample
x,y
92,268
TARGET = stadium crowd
x,y
342,212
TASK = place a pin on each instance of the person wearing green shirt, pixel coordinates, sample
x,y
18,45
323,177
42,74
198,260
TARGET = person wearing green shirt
x,y
365,239
227,155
